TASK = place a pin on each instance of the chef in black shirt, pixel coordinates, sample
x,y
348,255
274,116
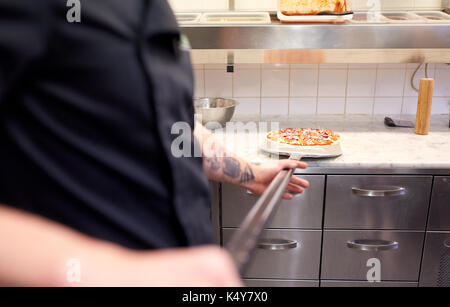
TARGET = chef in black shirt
x,y
86,168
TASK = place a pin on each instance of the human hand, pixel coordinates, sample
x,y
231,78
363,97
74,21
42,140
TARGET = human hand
x,y
265,173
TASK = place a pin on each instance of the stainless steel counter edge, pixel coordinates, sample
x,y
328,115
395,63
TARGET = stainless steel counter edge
x,y
372,171
278,36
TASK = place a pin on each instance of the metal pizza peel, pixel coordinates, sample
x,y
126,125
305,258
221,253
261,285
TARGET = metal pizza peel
x,y
245,240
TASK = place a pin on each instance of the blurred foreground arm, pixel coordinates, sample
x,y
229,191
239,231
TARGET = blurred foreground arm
x,y
37,252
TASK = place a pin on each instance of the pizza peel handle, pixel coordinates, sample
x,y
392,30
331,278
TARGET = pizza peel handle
x,y
245,239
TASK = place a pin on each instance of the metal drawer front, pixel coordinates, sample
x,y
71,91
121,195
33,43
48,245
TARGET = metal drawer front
x,y
440,205
377,202
304,211
269,283
285,254
355,284
436,260
346,254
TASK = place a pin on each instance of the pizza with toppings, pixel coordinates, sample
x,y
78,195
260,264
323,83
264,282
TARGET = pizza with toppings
x,y
305,140
304,137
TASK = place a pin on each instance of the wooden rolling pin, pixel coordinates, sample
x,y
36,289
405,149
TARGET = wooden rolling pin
x,y
424,105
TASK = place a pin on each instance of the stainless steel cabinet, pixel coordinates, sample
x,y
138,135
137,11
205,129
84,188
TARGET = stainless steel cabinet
x,y
285,254
346,254
355,284
256,283
440,205
436,260
303,211
377,202
365,217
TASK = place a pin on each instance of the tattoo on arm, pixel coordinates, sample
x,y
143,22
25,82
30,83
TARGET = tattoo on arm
x,y
220,165
213,164
247,175
231,167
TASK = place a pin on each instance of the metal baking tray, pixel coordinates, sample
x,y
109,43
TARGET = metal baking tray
x,y
366,17
236,18
188,18
403,17
318,18
434,16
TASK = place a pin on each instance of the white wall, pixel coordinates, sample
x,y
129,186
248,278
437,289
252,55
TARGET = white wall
x,y
353,89
271,5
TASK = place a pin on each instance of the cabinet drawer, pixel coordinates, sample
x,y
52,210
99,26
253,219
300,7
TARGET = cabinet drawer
x,y
346,254
270,283
285,254
436,260
440,205
361,284
303,211
377,202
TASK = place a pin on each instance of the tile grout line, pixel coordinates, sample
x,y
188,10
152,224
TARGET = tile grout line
x,y
405,82
346,91
317,90
204,81
260,90
289,90
375,91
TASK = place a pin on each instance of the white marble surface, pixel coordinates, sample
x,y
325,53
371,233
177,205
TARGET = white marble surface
x,y
367,143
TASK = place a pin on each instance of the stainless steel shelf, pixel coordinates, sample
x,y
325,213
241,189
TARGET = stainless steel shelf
x,y
319,36
320,43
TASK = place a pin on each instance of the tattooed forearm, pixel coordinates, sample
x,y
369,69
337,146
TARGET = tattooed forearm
x,y
213,164
247,175
231,167
220,165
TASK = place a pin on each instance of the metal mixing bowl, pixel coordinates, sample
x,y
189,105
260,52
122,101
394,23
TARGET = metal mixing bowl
x,y
218,110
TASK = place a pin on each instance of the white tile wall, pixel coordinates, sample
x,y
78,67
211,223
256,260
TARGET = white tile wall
x,y
274,106
218,83
319,89
312,89
332,82
271,5
275,82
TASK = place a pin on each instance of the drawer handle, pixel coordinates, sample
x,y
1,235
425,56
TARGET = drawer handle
x,y
392,191
447,243
373,245
277,244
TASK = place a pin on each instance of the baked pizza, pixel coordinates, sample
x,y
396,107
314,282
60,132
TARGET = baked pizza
x,y
304,137
312,7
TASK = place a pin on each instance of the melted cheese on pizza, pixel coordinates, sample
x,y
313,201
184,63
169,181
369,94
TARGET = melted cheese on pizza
x,y
312,7
304,137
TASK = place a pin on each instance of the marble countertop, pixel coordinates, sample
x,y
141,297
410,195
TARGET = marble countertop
x,y
366,142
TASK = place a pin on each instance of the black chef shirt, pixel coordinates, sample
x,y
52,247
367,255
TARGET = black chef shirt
x,y
86,111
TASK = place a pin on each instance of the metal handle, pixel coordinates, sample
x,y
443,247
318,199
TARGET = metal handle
x,y
383,192
447,243
373,245
243,242
277,244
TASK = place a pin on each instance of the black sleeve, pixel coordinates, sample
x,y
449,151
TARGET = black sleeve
x,y
24,28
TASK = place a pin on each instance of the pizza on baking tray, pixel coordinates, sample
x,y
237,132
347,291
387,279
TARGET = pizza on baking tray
x,y
312,7
304,137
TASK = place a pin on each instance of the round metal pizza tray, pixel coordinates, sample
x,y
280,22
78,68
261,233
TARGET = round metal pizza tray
x,y
336,152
